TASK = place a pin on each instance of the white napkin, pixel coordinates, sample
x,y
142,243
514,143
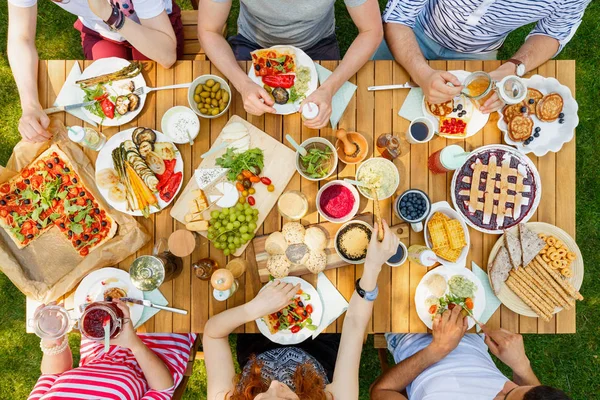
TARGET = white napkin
x,y
413,105
71,94
340,99
334,304
491,301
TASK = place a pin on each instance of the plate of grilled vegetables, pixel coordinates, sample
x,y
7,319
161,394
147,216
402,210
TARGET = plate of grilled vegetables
x,y
139,171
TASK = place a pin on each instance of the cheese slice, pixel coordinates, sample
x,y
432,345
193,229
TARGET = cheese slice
x,y
197,226
230,195
206,177
191,217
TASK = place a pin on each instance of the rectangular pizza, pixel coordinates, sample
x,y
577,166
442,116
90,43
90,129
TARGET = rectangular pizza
x,y
49,193
273,61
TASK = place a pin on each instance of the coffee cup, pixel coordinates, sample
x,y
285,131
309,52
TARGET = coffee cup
x,y
413,206
400,257
420,130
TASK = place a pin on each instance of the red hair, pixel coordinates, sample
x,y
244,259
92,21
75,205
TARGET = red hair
x,y
308,384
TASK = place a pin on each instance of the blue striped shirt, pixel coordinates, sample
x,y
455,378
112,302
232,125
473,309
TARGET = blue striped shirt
x,y
480,26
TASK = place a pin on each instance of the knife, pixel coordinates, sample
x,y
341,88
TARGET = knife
x,y
148,303
56,109
407,85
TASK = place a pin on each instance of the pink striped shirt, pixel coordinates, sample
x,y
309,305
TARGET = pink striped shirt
x,y
116,375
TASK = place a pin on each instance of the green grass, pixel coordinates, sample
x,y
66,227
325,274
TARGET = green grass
x,y
567,361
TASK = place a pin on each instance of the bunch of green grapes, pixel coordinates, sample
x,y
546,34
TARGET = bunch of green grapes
x,y
232,227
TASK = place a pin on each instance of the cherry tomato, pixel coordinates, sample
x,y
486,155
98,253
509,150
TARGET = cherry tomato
x,y
245,193
251,200
73,191
299,310
240,177
295,329
251,191
451,306
84,252
80,201
433,309
469,303
26,226
254,179
247,174
309,308
242,200
265,180
271,188
290,319
239,186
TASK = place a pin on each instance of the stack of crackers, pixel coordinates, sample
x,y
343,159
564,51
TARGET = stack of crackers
x,y
522,263
447,236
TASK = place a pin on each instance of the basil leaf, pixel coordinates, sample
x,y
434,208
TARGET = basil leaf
x,y
89,221
81,215
35,215
62,195
54,216
76,228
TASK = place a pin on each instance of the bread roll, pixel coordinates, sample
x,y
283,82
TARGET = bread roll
x,y
276,244
293,232
315,239
317,261
278,266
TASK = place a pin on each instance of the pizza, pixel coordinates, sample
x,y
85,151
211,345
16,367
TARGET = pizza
x,y
267,62
294,317
49,193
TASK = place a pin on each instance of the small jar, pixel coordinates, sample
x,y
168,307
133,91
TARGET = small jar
x,y
87,137
511,89
93,317
479,87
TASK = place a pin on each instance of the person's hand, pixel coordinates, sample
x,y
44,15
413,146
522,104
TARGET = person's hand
x,y
322,98
101,8
275,296
508,347
436,89
33,125
127,338
494,103
448,330
256,99
379,252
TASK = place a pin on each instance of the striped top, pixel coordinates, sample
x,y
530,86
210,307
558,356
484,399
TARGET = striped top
x,y
480,26
116,375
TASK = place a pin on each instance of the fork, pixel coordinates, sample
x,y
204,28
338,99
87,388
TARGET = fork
x,y
147,89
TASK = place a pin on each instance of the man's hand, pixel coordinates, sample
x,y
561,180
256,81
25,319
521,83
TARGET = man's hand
x,y
275,296
508,347
33,125
494,103
435,86
322,98
379,252
256,99
448,330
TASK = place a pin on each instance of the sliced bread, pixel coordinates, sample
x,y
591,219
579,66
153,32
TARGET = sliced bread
x,y
531,244
499,269
512,244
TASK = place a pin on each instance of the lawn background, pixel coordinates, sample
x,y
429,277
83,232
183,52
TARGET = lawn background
x,y
569,362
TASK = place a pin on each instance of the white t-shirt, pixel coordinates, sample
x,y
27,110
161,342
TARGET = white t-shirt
x,y
466,373
144,9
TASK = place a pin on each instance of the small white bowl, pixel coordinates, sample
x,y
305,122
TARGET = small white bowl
x,y
173,111
367,193
201,80
333,153
335,243
351,214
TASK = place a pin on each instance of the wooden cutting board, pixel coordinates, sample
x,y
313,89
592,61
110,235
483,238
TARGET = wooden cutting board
x,y
277,166
333,260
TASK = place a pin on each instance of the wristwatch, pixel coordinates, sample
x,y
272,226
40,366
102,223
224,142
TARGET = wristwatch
x,y
369,296
520,66
116,20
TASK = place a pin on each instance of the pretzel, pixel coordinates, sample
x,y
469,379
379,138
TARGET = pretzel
x,y
571,256
556,264
551,241
559,244
566,272
542,236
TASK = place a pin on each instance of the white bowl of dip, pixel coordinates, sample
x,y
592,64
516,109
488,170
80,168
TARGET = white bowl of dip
x,y
176,121
381,170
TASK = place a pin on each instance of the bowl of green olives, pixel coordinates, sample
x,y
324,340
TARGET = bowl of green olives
x,y
209,96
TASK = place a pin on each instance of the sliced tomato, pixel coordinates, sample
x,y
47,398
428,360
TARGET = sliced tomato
x,y
433,309
73,191
5,188
451,306
84,251
36,181
26,173
80,201
3,213
309,308
21,185
290,319
469,303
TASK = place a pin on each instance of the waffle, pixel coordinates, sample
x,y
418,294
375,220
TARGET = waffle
x,y
456,235
512,111
437,233
448,254
440,110
549,107
438,216
520,128
534,94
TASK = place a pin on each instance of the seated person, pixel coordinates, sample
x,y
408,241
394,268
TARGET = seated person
x,y
129,29
308,25
137,367
449,365
314,369
421,30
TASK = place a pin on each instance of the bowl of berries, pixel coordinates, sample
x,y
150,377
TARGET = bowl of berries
x,y
413,206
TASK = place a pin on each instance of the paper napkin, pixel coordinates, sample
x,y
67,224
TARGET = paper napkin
x,y
413,105
334,304
491,301
156,297
71,94
340,99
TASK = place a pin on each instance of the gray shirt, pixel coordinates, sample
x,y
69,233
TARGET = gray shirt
x,y
290,22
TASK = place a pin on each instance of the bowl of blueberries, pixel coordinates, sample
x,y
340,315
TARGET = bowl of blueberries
x,y
413,206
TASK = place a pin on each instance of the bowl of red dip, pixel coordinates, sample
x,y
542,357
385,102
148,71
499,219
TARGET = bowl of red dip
x,y
93,317
338,201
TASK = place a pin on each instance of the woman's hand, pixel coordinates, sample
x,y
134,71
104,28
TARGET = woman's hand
x,y
256,99
275,296
101,8
33,125
322,98
379,252
128,337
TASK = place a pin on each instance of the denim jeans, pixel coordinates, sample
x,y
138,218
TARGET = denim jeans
x,y
432,50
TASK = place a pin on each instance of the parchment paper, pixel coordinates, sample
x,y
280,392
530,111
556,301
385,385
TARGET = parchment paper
x,y
50,267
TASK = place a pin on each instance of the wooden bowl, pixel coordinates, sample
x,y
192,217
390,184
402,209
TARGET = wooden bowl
x,y
362,143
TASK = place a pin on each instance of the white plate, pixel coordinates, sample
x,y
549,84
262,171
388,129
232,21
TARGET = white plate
x,y
446,209
524,160
93,286
302,60
552,135
104,160
287,337
422,293
478,119
106,66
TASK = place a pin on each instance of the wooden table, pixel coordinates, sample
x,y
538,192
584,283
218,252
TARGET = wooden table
x,y
370,113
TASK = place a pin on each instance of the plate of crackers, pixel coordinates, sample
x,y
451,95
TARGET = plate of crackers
x,y
446,233
544,121
458,118
536,270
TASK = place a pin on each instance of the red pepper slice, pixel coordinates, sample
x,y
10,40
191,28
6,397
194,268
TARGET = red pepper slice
x,y
108,108
168,190
283,81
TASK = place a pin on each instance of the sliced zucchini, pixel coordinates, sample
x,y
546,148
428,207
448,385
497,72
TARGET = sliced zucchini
x,y
122,105
136,133
145,147
134,101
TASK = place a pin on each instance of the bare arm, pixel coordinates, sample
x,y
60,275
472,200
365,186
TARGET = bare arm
x,y
156,372
211,18
59,363
23,59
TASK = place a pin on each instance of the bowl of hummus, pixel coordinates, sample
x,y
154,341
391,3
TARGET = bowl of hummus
x,y
380,174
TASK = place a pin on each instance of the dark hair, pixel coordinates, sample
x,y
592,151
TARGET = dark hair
x,y
545,393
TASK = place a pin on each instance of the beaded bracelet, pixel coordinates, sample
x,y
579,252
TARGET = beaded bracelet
x,y
54,350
